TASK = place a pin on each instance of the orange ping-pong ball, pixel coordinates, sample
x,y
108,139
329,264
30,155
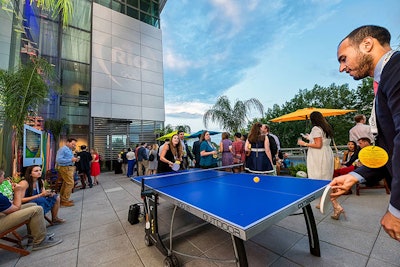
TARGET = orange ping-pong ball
x,y
256,179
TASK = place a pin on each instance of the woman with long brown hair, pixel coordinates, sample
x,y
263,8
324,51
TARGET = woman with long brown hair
x,y
259,158
36,192
320,154
171,152
208,152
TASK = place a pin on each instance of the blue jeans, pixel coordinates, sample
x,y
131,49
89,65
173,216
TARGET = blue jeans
x,y
131,166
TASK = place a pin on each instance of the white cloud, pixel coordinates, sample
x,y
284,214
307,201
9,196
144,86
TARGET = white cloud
x,y
176,62
193,108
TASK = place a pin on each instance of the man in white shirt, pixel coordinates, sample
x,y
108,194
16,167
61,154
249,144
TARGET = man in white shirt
x,y
130,156
360,129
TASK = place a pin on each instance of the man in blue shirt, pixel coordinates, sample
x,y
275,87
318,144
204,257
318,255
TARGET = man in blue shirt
x,y
65,160
17,213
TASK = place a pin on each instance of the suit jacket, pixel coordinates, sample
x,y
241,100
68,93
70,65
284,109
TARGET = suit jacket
x,y
142,154
188,153
84,162
196,152
387,109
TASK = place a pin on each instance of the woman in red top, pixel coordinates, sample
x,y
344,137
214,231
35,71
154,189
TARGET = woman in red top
x,y
95,165
238,152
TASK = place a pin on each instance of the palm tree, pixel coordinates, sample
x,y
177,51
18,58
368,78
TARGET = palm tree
x,y
56,127
231,119
184,127
64,8
166,130
21,94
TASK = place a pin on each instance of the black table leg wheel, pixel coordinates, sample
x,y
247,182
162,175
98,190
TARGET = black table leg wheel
x,y
147,240
171,261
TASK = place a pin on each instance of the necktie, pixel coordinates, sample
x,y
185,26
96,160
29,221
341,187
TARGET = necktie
x,y
376,84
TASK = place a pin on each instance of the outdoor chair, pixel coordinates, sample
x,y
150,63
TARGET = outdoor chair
x,y
12,236
382,184
53,180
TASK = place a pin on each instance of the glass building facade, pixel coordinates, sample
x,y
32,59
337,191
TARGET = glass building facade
x,y
72,50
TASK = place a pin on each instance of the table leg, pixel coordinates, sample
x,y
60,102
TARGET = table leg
x,y
313,239
240,251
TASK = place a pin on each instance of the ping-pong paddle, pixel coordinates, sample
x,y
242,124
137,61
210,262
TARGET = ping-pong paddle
x,y
325,199
175,166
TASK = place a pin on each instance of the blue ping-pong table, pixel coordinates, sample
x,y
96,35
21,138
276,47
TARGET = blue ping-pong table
x,y
232,202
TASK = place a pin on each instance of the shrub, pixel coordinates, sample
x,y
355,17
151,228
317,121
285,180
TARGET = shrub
x,y
299,167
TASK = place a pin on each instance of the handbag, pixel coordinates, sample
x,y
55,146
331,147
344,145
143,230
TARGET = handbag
x,y
336,158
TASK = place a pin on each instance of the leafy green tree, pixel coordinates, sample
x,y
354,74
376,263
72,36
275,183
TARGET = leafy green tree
x,y
185,128
64,8
163,131
57,127
22,92
231,118
333,96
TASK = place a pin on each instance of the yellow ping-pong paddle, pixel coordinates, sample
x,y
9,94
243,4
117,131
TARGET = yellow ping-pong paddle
x,y
373,156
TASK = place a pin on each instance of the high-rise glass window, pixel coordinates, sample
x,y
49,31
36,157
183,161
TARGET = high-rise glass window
x,y
81,17
132,12
134,3
48,44
118,6
143,10
76,45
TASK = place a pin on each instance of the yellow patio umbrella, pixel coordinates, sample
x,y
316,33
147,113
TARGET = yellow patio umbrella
x,y
304,114
169,136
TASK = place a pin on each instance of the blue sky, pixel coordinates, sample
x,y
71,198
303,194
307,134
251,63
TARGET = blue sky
x,y
266,49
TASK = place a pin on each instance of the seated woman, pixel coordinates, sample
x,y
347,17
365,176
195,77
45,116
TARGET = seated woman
x,y
35,192
349,158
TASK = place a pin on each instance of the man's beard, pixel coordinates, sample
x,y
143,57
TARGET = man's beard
x,y
364,66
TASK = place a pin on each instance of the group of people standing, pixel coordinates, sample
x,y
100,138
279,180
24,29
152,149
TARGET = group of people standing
x,y
255,153
68,162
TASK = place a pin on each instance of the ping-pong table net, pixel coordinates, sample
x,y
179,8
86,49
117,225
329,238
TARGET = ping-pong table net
x,y
182,177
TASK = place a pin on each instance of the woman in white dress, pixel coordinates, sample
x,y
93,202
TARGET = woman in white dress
x,y
320,154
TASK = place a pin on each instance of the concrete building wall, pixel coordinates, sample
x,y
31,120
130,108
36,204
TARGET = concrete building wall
x,y
127,68
5,38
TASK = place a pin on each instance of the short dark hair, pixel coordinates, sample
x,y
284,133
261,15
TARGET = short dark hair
x,y
83,147
69,140
377,32
359,117
365,139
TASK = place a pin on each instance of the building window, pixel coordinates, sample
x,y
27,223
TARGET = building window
x,y
143,10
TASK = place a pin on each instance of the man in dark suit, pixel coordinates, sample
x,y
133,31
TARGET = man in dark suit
x,y
186,151
84,166
143,159
366,52
196,152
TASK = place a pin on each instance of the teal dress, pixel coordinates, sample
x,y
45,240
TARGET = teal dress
x,y
207,161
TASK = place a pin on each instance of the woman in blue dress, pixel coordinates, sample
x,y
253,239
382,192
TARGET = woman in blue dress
x,y
259,158
36,193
